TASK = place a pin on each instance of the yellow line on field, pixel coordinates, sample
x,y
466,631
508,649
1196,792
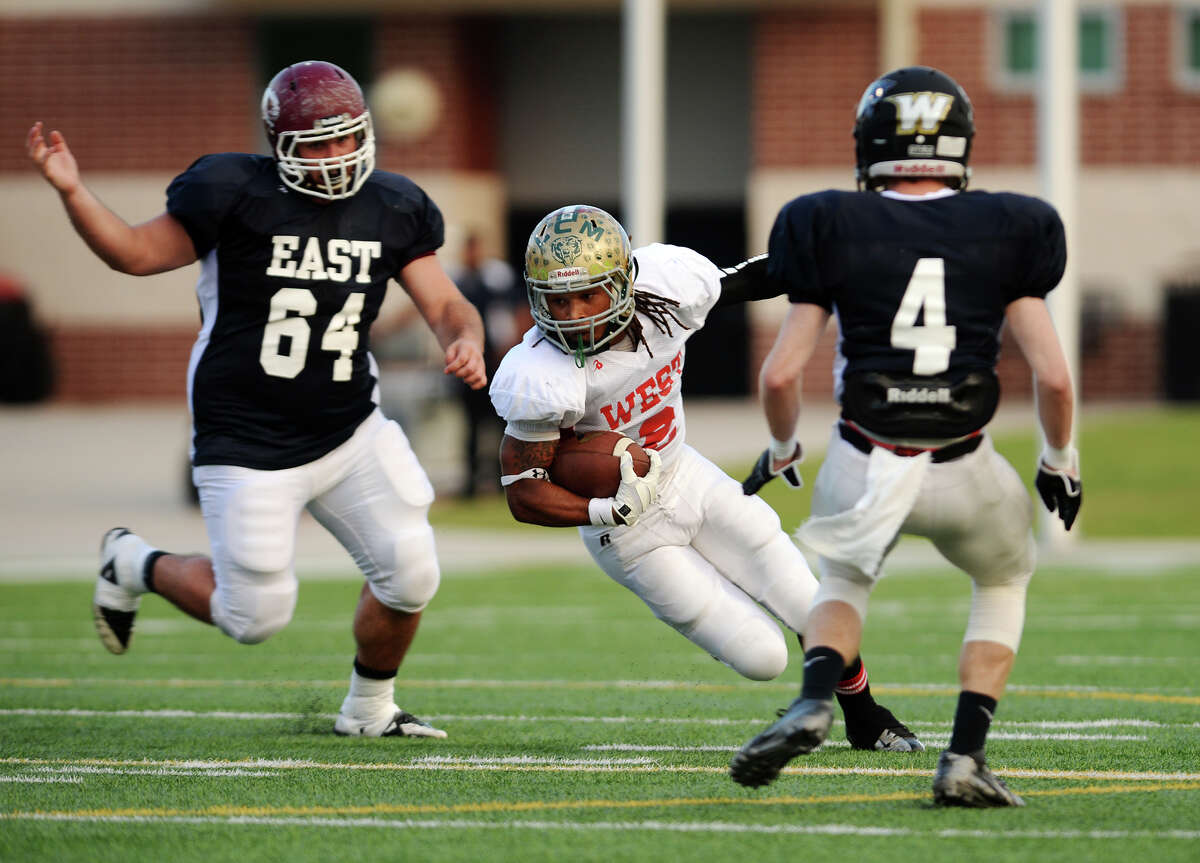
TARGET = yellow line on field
x,y
499,765
499,806
657,685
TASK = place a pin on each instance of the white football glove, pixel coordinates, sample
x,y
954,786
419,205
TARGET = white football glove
x,y
634,495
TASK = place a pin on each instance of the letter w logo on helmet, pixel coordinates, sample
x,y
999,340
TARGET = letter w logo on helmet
x,y
920,112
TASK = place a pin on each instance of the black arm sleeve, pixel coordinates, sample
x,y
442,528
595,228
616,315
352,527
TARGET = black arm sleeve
x,y
747,281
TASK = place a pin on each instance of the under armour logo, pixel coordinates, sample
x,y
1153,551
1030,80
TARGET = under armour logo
x,y
605,539
599,364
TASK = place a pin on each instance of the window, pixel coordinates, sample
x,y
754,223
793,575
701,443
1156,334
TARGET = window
x,y
1187,47
1101,49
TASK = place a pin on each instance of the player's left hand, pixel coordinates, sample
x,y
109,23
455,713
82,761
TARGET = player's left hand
x,y
1061,489
464,360
765,470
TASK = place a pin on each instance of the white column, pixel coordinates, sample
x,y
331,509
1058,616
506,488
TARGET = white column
x,y
643,115
1058,167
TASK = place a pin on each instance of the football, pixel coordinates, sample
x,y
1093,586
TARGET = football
x,y
586,464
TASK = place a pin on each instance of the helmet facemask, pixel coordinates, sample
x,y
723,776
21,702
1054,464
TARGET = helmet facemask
x,y
572,249
333,178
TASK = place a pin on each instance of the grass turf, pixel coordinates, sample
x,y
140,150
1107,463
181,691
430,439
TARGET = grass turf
x,y
195,748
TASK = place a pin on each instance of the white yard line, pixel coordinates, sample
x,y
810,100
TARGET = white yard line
x,y
614,827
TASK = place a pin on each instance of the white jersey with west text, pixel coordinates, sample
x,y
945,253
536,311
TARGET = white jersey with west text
x,y
637,393
280,373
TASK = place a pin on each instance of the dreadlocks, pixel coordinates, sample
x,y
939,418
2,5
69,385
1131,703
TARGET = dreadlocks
x,y
658,311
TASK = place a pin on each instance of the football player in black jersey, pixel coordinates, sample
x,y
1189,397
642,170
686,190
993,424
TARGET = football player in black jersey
x,y
296,251
921,275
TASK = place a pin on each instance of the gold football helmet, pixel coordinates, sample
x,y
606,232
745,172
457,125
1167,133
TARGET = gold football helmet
x,y
573,248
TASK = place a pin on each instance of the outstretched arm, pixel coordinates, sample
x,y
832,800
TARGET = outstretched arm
x,y
745,282
454,321
155,246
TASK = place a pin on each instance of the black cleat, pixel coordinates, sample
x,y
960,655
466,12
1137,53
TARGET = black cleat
x,y
801,729
965,780
878,729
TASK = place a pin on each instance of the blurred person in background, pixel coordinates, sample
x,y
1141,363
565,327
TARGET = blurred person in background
x,y
608,353
296,253
922,275
491,286
26,365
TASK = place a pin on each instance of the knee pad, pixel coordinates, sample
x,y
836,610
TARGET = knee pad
x,y
751,644
253,613
998,612
413,578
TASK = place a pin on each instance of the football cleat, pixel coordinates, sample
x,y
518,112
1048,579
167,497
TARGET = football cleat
x,y
965,780
114,606
801,729
881,731
397,723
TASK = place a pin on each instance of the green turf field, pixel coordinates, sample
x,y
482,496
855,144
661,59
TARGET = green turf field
x,y
581,729
1140,476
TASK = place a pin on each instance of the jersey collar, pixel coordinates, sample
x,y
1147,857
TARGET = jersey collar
x,y
928,196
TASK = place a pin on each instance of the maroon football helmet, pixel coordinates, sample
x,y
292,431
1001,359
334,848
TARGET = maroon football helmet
x,y
318,101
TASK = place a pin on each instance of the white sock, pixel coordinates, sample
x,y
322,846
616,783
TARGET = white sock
x,y
369,696
132,552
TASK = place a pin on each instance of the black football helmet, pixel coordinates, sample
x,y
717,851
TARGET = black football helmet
x,y
913,123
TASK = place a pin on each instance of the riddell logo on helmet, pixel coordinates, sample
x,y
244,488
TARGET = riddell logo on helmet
x,y
919,168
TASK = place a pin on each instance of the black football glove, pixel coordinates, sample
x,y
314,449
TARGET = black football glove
x,y
1061,492
762,473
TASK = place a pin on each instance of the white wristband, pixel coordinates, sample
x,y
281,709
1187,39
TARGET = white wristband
x,y
783,450
1065,458
600,511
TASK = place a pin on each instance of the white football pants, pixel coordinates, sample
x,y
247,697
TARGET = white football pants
x,y
371,493
976,512
710,562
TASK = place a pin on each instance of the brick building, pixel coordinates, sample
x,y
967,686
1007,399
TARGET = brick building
x,y
503,111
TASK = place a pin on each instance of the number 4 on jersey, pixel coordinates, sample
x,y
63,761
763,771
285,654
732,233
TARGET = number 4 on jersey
x,y
932,340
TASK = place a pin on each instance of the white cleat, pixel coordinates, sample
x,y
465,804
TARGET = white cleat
x,y
113,606
397,723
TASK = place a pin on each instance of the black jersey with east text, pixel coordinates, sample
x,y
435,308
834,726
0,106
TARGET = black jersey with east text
x,y
289,285
919,284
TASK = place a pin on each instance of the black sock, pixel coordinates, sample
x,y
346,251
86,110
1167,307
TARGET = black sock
x,y
972,720
853,689
822,669
372,673
148,569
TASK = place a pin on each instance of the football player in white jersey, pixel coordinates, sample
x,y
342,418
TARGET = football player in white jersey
x,y
607,353
921,274
296,250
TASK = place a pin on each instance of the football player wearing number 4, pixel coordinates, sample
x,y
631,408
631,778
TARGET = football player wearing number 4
x,y
921,275
296,253
607,353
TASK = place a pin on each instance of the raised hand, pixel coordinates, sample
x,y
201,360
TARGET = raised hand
x,y
53,158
